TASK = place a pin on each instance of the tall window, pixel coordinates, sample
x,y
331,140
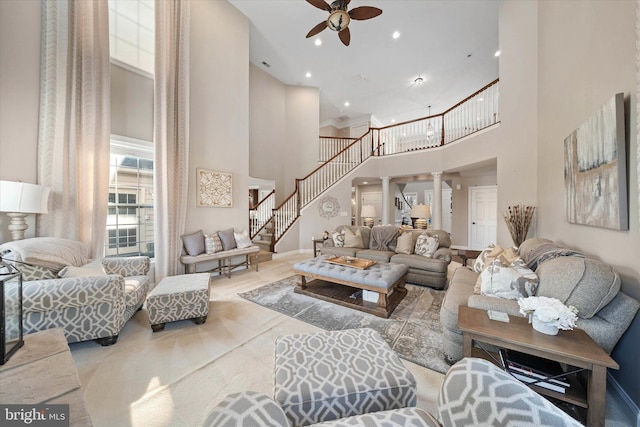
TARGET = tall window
x,y
131,33
130,219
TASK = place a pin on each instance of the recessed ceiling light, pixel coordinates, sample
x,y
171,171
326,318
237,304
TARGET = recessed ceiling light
x,y
308,75
396,34
365,182
393,120
346,104
318,42
497,53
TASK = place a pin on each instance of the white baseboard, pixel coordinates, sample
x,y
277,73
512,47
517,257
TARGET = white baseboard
x,y
622,397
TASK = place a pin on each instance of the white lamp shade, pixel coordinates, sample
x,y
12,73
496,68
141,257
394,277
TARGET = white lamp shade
x,y
23,198
420,211
368,211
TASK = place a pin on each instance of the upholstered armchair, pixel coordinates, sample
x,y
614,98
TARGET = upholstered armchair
x,y
62,289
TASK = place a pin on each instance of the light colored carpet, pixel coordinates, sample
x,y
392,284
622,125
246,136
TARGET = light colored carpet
x,y
175,377
413,330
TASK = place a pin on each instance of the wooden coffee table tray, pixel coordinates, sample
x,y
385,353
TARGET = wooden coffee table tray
x,y
359,263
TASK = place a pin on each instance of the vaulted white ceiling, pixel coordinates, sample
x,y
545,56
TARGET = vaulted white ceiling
x,y
450,44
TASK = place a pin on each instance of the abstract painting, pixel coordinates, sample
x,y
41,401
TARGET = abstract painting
x,y
214,189
595,177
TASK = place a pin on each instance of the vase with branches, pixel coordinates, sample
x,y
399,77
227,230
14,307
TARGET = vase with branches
x,y
518,219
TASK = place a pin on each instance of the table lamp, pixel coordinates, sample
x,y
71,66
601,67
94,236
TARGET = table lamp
x,y
19,199
368,212
419,214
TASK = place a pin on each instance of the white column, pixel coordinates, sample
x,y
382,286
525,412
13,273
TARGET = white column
x,y
436,212
385,200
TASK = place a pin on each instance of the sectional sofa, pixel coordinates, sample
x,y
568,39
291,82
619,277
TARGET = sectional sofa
x,y
589,284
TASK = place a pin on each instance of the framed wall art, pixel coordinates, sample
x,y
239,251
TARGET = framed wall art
x,y
595,169
215,189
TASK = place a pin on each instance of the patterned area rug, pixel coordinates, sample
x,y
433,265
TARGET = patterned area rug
x,y
413,330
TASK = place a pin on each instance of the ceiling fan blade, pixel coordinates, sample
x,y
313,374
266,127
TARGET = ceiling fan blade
x,y
320,4
364,12
346,2
315,30
345,36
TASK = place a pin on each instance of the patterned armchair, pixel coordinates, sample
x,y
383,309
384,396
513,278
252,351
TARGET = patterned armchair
x,y
474,393
89,300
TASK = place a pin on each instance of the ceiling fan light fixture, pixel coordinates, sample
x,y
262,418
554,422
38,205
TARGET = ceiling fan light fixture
x,y
418,81
338,20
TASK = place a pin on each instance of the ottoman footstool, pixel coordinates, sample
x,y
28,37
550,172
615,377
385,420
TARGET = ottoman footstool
x,y
331,375
179,298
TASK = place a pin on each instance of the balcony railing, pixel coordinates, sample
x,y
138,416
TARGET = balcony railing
x,y
474,113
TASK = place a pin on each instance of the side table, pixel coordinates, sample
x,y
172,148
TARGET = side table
x,y
316,241
573,347
43,372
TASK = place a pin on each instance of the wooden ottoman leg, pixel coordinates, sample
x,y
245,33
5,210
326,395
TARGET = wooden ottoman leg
x,y
199,320
157,328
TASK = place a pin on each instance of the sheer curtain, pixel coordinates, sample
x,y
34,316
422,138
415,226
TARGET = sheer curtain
x,y
73,139
171,133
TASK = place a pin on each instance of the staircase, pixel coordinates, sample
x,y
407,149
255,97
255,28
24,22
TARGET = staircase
x,y
264,240
474,113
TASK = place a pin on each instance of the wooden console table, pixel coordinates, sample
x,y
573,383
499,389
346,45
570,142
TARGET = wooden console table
x,y
573,348
43,372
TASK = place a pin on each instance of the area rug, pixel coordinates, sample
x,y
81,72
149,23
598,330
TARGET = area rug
x,y
413,330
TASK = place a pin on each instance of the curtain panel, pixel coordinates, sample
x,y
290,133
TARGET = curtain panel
x,y
74,123
171,133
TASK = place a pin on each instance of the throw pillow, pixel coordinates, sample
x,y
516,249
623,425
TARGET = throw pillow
x,y
212,243
194,243
228,240
242,239
508,281
486,257
353,240
426,245
94,268
406,243
35,272
338,239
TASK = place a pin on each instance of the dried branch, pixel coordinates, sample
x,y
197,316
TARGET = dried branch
x,y
518,219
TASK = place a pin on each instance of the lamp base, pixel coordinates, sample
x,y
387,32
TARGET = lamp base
x,y
18,225
368,222
420,223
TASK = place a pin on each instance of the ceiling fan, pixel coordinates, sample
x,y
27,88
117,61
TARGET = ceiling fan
x,y
339,17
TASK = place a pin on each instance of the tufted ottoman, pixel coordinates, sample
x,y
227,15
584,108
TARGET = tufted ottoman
x,y
335,283
330,375
179,298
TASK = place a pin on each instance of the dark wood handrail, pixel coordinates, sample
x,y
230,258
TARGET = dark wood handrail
x,y
472,95
262,201
335,155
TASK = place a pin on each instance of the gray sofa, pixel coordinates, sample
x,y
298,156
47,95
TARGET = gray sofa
x,y
592,286
62,289
423,270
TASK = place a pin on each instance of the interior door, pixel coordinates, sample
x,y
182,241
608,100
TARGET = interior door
x,y
483,214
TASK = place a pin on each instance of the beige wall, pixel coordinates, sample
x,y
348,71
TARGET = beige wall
x,y
283,130
19,97
586,55
219,110
267,128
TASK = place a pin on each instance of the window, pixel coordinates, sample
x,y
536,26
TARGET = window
x,y
130,203
131,33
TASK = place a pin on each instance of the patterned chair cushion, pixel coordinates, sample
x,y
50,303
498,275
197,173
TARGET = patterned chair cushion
x,y
330,375
475,392
248,408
